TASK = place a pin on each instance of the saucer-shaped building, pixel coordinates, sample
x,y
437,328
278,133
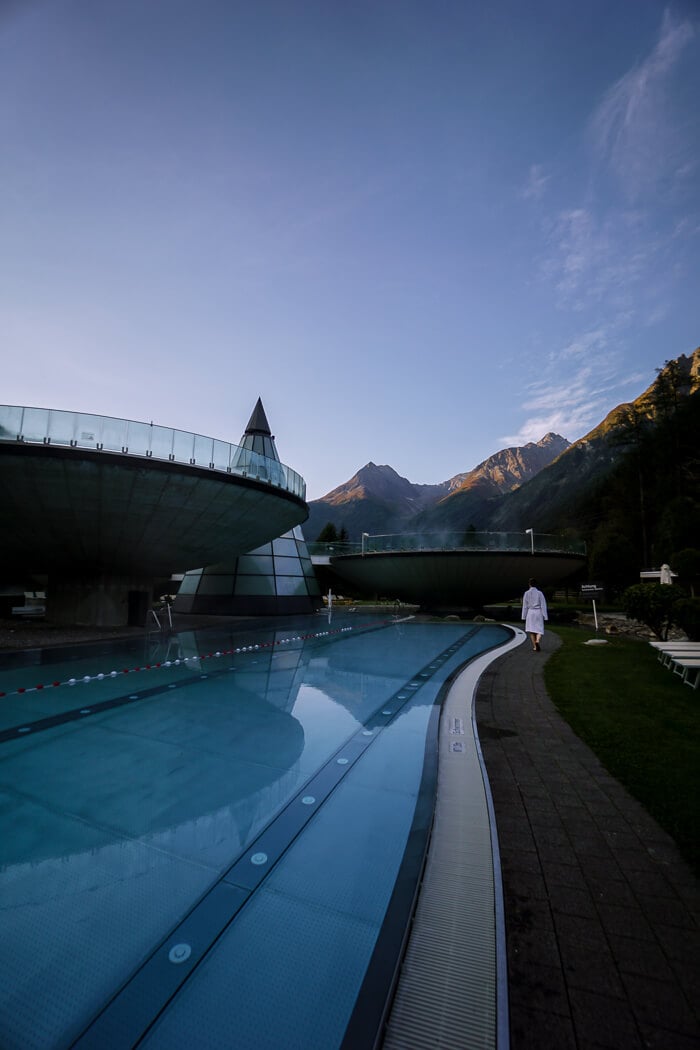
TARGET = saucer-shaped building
x,y
104,507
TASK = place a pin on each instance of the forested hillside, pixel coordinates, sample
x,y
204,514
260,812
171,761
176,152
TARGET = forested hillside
x,y
630,488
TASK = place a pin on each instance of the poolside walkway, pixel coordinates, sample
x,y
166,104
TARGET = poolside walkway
x,y
601,910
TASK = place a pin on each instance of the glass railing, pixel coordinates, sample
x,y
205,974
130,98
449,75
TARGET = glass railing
x,y
535,543
82,430
333,549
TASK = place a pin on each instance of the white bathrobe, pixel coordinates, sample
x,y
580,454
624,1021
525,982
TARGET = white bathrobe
x,y
534,610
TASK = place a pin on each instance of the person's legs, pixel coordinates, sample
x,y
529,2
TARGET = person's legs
x,y
533,640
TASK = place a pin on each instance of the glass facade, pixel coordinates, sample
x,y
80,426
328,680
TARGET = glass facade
x,y
273,579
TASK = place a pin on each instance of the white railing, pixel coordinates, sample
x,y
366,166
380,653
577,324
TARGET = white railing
x,y
83,430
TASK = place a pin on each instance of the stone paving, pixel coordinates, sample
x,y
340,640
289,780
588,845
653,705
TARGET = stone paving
x,y
601,910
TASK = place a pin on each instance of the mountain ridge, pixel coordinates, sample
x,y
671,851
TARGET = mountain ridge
x,y
529,485
378,497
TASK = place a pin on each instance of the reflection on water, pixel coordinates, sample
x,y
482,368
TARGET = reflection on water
x,y
112,826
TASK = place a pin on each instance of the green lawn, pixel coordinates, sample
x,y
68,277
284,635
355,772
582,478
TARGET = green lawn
x,y
640,720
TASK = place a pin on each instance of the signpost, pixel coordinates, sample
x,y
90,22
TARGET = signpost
x,y
591,591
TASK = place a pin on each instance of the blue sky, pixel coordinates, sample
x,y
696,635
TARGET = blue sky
x,y
421,232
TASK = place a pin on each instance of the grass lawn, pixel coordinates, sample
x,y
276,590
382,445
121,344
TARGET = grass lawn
x,y
641,722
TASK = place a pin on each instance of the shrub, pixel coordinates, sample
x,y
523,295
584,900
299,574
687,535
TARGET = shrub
x,y
686,614
651,604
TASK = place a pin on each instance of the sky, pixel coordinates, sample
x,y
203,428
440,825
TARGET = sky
x,y
421,232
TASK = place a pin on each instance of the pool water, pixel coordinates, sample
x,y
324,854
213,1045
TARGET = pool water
x,y
202,835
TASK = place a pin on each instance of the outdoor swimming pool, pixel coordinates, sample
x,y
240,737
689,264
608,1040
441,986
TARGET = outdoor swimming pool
x,y
204,838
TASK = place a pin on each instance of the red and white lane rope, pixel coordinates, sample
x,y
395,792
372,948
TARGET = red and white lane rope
x,y
256,646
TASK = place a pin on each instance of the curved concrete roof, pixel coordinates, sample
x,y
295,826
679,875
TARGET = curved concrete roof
x,y
71,509
453,578
105,496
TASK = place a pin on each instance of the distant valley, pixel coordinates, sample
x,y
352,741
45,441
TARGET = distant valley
x,y
630,487
377,499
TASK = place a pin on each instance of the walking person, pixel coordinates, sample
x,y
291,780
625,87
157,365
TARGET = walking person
x,y
534,613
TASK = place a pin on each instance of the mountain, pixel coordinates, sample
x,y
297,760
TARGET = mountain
x,y
471,501
378,500
630,487
562,495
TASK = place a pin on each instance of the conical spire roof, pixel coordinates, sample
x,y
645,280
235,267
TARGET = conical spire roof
x,y
258,424
258,437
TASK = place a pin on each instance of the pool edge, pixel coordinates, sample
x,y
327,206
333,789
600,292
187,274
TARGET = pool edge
x,y
432,1002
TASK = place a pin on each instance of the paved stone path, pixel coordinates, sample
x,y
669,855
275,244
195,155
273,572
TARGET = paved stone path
x,y
601,911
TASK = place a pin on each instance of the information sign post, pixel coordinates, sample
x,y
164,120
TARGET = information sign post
x,y
591,591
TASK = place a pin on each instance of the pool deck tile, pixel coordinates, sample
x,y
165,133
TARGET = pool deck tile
x,y
601,911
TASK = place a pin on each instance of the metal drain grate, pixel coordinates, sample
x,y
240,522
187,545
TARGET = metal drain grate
x,y
452,990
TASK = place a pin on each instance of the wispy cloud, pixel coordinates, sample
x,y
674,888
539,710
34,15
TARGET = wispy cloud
x,y
584,344
536,182
610,255
571,401
591,259
569,407
630,129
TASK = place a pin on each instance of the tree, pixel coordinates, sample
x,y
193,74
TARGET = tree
x,y
613,556
469,538
686,613
343,535
328,534
670,386
630,434
651,604
686,563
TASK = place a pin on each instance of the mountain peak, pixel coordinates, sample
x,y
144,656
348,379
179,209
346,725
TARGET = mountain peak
x,y
505,489
373,481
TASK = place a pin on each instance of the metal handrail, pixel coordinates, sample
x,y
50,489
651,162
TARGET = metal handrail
x,y
84,430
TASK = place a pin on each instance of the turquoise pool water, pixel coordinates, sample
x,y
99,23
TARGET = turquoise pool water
x,y
202,836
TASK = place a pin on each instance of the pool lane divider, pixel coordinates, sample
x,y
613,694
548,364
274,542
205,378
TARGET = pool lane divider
x,y
79,713
136,1007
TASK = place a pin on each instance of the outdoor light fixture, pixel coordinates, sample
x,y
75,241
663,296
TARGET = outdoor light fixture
x,y
365,536
531,534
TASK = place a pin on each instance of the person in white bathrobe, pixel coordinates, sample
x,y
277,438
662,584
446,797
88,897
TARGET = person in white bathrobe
x,y
534,614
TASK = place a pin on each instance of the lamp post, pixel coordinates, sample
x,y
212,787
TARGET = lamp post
x,y
531,533
365,536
